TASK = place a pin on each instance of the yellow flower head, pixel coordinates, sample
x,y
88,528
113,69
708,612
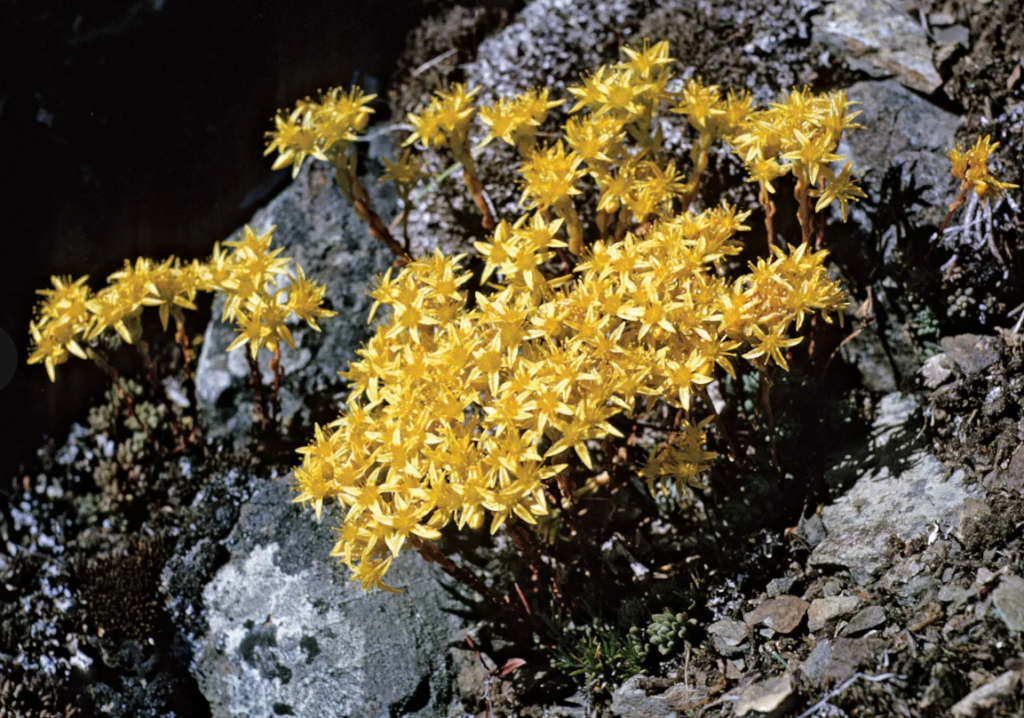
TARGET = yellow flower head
x,y
447,116
406,171
294,138
595,138
514,120
702,104
971,167
650,61
66,300
550,176
319,129
340,117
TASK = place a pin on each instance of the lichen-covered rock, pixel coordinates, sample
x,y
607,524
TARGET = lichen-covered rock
x,y
290,634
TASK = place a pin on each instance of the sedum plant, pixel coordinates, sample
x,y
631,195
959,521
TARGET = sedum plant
x,y
971,168
260,305
71,320
471,409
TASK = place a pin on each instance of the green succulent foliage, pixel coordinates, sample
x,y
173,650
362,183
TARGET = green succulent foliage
x,y
668,631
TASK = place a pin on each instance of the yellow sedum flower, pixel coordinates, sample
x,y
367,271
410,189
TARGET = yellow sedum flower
x,y
971,168
247,277
321,129
515,120
445,119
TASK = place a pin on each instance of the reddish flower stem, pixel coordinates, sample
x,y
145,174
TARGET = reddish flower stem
x,y
275,391
256,382
430,553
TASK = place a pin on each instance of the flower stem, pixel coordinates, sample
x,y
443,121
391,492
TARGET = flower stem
x,y
159,390
699,156
256,382
275,392
769,215
734,450
476,188
965,187
802,192
766,405
521,538
352,187
122,392
430,553
181,337
820,239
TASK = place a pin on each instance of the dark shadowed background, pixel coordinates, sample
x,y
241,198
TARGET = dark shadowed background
x,y
133,127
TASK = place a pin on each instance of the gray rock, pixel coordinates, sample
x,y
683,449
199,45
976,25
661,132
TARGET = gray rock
x,y
1012,477
848,656
937,370
765,696
728,636
878,38
833,587
1008,599
815,664
905,132
315,225
897,577
945,685
971,352
996,403
288,631
954,594
630,700
984,576
975,523
823,610
811,529
905,144
899,490
782,614
983,700
953,35
918,589
778,586
870,617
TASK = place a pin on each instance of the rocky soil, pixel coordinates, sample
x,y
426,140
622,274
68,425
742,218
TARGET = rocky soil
x,y
881,574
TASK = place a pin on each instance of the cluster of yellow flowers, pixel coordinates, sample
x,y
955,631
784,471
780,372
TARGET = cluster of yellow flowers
x,y
323,129
468,408
971,168
515,120
458,413
445,123
70,317
247,277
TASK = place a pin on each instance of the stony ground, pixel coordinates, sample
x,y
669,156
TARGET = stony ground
x,y
880,574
